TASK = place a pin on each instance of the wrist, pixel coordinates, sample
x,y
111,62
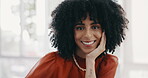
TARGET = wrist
x,y
90,58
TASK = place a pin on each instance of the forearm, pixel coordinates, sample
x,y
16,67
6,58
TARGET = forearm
x,y
90,68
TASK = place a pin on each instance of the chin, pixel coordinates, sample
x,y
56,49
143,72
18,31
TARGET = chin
x,y
88,51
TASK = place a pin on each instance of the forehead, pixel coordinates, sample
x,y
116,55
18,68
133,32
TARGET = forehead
x,y
87,17
88,20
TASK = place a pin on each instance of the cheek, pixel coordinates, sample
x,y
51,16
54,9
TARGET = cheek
x,y
76,36
99,34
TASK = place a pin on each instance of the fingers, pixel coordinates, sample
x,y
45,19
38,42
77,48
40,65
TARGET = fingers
x,y
101,48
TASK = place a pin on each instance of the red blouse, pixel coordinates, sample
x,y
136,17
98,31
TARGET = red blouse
x,y
53,66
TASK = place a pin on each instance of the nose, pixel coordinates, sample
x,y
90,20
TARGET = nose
x,y
88,33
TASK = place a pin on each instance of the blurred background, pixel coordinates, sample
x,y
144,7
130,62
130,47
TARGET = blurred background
x,y
24,37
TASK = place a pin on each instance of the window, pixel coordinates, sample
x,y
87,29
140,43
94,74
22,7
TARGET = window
x,y
23,35
134,53
139,26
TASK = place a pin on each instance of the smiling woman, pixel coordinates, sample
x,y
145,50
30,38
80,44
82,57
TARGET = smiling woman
x,y
87,36
83,32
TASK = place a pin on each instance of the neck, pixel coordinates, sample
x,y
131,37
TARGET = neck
x,y
80,53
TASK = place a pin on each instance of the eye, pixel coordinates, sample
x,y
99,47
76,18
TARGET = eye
x,y
95,27
79,28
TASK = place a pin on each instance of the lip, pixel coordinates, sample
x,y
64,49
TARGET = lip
x,y
88,41
88,45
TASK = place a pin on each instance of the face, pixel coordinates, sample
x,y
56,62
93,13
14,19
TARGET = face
x,y
87,34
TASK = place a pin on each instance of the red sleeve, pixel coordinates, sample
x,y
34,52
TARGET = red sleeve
x,y
108,66
42,67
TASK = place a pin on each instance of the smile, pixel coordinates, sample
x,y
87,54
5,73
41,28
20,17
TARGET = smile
x,y
88,42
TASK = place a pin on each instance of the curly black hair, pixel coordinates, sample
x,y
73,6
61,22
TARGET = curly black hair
x,y
110,15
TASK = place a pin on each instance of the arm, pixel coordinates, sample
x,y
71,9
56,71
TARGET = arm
x,y
43,67
90,58
90,69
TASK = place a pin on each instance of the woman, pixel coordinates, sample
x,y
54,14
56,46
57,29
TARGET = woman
x,y
84,31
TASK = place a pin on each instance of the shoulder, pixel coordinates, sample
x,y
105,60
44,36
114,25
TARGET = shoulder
x,y
109,58
49,58
44,66
108,63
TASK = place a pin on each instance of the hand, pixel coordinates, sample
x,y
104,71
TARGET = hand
x,y
100,49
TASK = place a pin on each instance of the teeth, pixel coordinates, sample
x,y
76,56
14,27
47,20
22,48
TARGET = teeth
x,y
88,43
